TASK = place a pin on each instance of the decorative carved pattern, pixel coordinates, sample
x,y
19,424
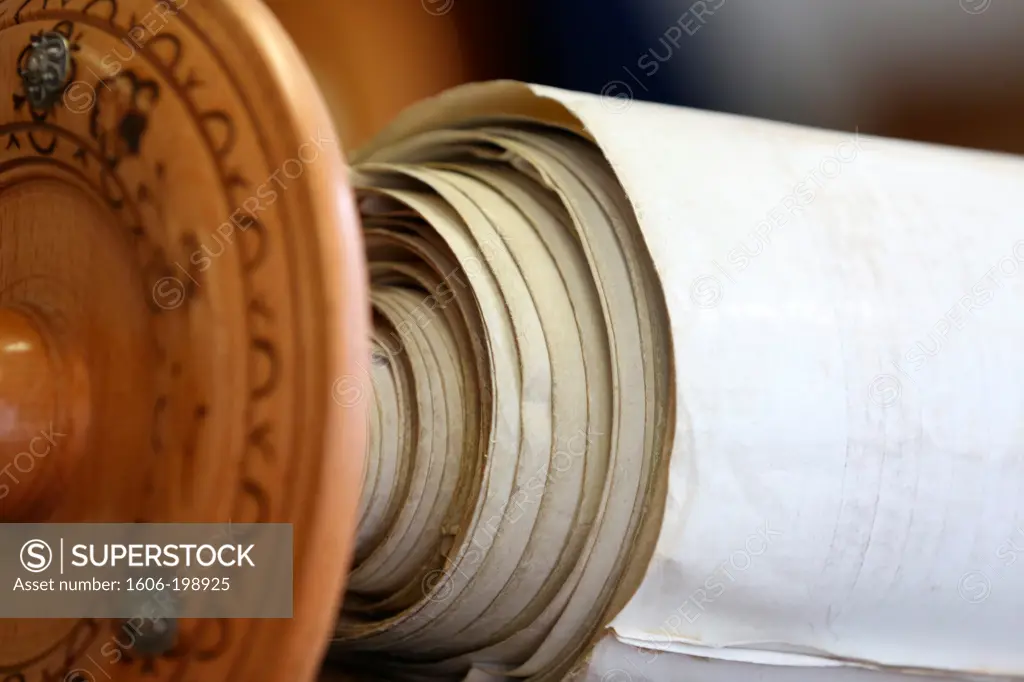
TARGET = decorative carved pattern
x,y
120,115
114,163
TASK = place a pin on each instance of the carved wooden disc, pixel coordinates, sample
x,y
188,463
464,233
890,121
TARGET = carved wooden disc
x,y
176,229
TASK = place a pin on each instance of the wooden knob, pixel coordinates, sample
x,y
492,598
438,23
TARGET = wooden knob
x,y
182,281
42,417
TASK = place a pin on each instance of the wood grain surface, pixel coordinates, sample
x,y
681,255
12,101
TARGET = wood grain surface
x,y
178,224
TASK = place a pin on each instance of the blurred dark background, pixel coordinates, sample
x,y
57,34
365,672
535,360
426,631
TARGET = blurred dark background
x,y
949,71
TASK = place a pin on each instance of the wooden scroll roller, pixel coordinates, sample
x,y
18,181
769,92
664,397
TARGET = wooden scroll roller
x,y
550,385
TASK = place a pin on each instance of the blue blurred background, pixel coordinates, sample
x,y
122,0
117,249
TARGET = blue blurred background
x,y
941,70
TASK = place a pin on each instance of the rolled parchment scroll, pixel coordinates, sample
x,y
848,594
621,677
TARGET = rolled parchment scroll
x,y
664,394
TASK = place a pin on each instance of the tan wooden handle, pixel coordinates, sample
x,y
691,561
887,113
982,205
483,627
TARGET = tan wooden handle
x,y
182,279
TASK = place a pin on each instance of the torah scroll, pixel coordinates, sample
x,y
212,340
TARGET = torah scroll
x,y
661,394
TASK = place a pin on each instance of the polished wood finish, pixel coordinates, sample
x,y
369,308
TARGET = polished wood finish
x,y
182,284
39,434
29,400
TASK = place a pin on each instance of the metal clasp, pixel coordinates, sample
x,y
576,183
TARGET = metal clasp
x,y
44,69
